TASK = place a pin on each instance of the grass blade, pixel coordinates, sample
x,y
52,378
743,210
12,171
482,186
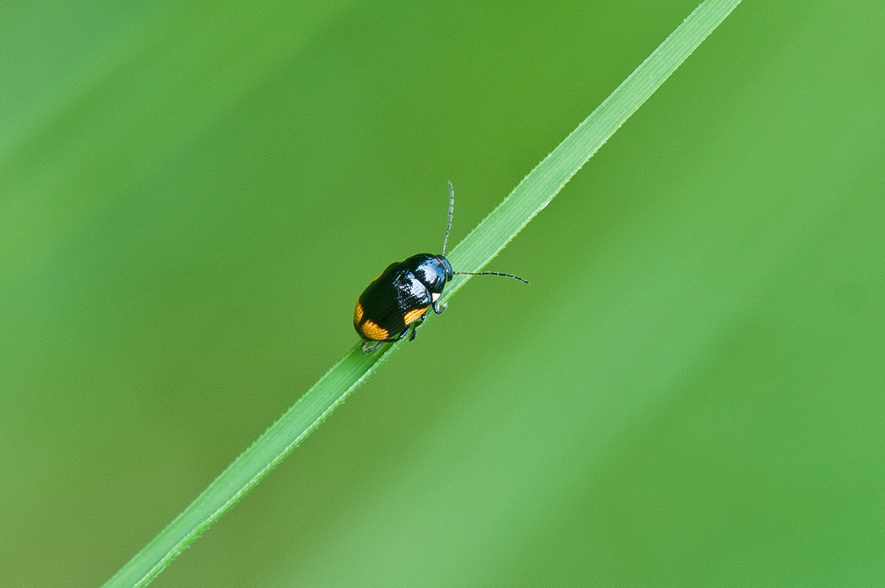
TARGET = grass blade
x,y
535,191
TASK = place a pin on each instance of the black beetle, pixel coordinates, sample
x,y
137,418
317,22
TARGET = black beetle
x,y
398,300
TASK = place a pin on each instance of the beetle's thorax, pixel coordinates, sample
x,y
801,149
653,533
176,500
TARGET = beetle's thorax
x,y
431,270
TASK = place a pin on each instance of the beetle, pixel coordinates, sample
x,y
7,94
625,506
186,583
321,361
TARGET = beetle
x,y
398,300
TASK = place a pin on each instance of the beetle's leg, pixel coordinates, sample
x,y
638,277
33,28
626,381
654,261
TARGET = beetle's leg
x,y
415,326
367,348
438,308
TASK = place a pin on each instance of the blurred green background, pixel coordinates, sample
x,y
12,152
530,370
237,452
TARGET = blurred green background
x,y
690,393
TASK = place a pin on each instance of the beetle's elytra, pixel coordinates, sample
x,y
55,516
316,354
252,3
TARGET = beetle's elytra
x,y
398,300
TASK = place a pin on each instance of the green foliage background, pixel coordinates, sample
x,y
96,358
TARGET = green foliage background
x,y
690,392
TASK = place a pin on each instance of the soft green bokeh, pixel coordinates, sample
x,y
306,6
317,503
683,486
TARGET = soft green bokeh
x,y
691,392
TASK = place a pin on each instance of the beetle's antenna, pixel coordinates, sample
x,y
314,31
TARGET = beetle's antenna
x,y
494,274
451,214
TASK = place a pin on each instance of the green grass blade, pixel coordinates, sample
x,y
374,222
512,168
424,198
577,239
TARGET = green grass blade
x,y
535,191
544,182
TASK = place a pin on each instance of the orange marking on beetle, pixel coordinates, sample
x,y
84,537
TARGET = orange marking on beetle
x,y
358,312
414,315
374,332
